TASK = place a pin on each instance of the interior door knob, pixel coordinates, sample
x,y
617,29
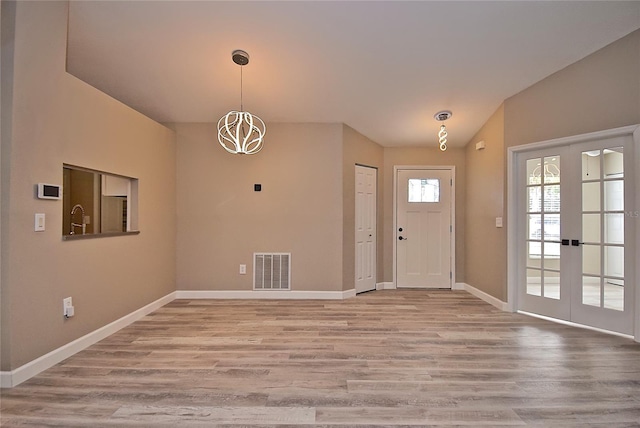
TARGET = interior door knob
x,y
401,238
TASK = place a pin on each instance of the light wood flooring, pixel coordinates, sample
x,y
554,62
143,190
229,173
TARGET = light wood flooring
x,y
386,358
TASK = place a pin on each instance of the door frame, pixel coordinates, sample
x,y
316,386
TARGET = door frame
x,y
512,207
451,168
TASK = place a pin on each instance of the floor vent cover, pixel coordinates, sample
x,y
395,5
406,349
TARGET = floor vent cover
x,y
272,271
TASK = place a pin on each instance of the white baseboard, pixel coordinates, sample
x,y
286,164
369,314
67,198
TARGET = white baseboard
x,y
573,324
385,286
9,379
459,286
503,306
265,294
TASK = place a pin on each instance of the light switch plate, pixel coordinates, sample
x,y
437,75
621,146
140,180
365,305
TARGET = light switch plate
x,y
498,221
39,224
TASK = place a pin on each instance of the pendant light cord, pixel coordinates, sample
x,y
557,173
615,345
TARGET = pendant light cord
x,y
241,107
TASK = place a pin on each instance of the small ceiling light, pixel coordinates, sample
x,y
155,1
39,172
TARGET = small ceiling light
x,y
442,134
240,132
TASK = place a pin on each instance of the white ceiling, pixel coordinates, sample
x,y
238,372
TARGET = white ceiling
x,y
384,68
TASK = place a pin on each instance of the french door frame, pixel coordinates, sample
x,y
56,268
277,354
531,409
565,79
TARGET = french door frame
x,y
512,208
451,168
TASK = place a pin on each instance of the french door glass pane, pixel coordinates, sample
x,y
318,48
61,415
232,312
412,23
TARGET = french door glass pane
x,y
614,294
591,228
591,165
551,227
591,196
591,292
552,198
551,170
591,259
614,261
534,199
551,284
534,171
614,195
534,282
613,162
614,228
534,226
551,255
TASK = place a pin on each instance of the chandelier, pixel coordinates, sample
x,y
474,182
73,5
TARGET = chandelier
x,y
240,132
442,134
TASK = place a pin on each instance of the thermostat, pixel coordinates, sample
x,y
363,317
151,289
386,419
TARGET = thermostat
x,y
49,191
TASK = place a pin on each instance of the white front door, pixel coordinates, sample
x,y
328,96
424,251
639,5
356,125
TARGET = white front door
x,y
576,249
423,228
366,185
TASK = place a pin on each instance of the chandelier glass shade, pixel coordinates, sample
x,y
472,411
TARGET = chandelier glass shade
x,y
240,132
442,137
442,134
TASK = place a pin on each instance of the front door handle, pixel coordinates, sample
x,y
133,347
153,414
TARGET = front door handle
x,y
402,238
576,242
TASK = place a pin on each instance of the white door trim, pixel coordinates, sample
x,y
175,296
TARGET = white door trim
x,y
451,168
512,208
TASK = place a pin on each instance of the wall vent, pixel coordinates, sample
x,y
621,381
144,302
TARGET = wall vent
x,y
272,271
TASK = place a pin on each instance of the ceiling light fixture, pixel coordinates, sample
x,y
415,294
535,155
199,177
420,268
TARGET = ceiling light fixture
x,y
442,134
240,132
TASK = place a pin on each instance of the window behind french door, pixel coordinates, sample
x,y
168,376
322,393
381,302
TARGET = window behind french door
x,y
575,247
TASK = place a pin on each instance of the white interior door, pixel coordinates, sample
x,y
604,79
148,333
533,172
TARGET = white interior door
x,y
576,241
366,190
546,214
423,228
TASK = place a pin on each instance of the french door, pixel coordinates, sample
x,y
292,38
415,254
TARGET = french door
x,y
575,239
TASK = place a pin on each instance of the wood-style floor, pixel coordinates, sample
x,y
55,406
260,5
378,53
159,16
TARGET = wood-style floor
x,y
387,358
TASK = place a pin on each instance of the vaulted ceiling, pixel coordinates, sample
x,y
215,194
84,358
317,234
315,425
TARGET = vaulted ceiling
x,y
384,67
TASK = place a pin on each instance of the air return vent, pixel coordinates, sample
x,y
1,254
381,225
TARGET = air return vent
x,y
272,271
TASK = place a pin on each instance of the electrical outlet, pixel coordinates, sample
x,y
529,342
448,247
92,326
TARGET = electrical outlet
x,y
243,269
67,307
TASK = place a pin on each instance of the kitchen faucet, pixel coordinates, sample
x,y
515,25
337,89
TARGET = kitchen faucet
x,y
82,224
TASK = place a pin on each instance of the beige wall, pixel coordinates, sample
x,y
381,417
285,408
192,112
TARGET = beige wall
x,y
222,221
54,118
485,245
601,91
359,150
431,156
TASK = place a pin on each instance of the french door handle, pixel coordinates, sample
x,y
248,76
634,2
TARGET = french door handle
x,y
576,242
565,242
